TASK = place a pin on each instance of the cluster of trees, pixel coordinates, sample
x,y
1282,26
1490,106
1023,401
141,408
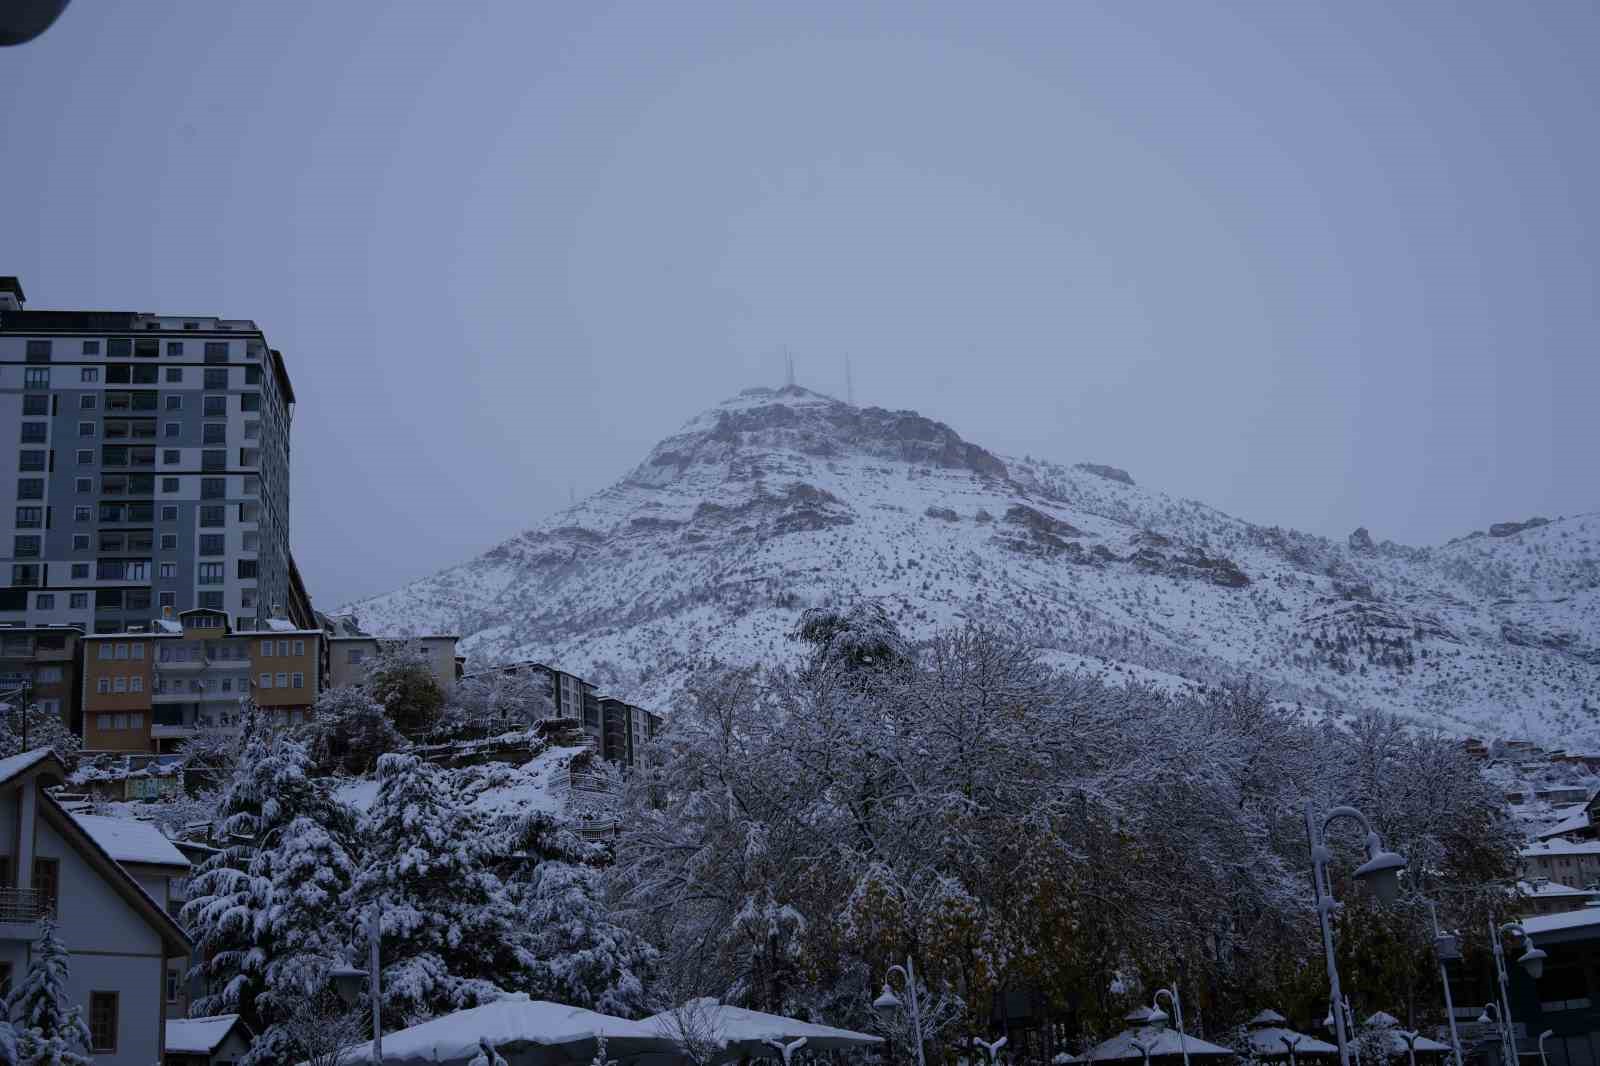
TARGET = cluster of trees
x,y
1021,830
288,896
43,1027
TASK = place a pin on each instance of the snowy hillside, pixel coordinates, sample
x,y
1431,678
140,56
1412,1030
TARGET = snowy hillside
x,y
781,499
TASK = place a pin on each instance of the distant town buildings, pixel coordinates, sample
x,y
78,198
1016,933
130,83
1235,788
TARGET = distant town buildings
x,y
615,729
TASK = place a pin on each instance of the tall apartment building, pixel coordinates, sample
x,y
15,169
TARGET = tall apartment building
x,y
150,468
41,664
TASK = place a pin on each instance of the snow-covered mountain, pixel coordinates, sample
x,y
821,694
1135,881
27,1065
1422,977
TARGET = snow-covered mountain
x,y
780,499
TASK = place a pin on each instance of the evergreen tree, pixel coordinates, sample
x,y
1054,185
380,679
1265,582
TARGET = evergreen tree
x,y
230,909
581,955
349,730
51,1032
403,682
451,937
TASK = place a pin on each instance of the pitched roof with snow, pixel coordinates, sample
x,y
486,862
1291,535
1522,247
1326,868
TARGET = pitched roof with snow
x,y
1561,847
198,1036
1156,1041
18,764
127,840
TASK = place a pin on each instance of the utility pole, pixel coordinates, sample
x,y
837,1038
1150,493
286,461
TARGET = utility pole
x,y
788,359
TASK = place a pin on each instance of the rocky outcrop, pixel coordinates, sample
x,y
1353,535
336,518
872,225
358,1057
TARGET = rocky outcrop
x,y
1511,529
942,513
1110,473
1360,540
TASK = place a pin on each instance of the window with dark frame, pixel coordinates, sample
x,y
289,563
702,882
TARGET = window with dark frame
x,y
103,1022
47,882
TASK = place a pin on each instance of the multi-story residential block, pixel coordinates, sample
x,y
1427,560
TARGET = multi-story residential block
x,y
41,664
150,469
350,657
110,916
615,729
148,691
1569,862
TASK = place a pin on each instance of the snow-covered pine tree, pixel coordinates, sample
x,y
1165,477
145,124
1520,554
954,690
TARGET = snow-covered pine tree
x,y
51,1033
302,934
582,955
231,894
349,730
451,936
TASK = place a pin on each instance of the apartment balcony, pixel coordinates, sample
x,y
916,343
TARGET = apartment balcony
x,y
20,912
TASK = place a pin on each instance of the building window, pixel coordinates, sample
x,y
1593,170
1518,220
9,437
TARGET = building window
x,y
82,513
216,351
80,571
215,407
213,601
35,432
168,599
214,433
30,459
174,347
252,430
283,680
172,430
247,598
88,402
84,484
250,401
38,351
119,348
136,683
91,347
216,459
213,516
216,378
30,488
173,984
119,684
36,377
103,1022
35,405
85,456
24,575
169,543
266,648
77,601
89,373
45,601
169,484
171,456
298,680
103,686
299,647
30,517
247,569
80,542
25,547
174,403
174,375
210,573
47,882
169,512
265,681
211,544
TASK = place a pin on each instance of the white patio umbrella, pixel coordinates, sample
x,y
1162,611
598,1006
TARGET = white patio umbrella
x,y
1269,1037
1385,1030
1152,1041
526,1032
743,1032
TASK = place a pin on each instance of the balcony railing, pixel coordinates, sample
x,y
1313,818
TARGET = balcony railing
x,y
24,905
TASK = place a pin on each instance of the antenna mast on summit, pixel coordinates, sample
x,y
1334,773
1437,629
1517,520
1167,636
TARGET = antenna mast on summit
x,y
789,361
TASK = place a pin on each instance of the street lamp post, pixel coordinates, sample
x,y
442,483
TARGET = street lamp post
x,y
1546,1035
1342,1010
1531,960
992,1051
1144,1049
1491,1016
889,1001
1177,1016
347,982
1291,1043
1381,872
1446,948
786,1050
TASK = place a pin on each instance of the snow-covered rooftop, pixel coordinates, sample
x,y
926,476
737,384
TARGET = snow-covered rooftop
x,y
16,764
1272,1041
1561,847
129,841
198,1036
1155,1041
1551,923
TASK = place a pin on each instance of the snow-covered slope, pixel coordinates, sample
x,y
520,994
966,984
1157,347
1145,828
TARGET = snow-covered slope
x,y
780,499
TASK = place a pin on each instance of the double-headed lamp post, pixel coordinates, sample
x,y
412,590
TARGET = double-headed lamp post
x,y
888,1001
347,980
1159,1015
1531,960
1381,873
1491,1016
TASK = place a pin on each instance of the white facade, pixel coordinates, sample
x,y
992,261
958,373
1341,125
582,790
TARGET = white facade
x,y
116,931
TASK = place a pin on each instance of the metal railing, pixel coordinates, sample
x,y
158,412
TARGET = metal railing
x,y
24,904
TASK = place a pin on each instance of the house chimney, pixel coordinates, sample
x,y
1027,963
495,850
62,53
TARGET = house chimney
x,y
277,611
166,612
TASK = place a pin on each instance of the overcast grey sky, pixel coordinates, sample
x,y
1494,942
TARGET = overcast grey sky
x,y
1318,266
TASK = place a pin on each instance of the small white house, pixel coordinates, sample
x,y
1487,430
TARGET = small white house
x,y
220,1040
117,933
